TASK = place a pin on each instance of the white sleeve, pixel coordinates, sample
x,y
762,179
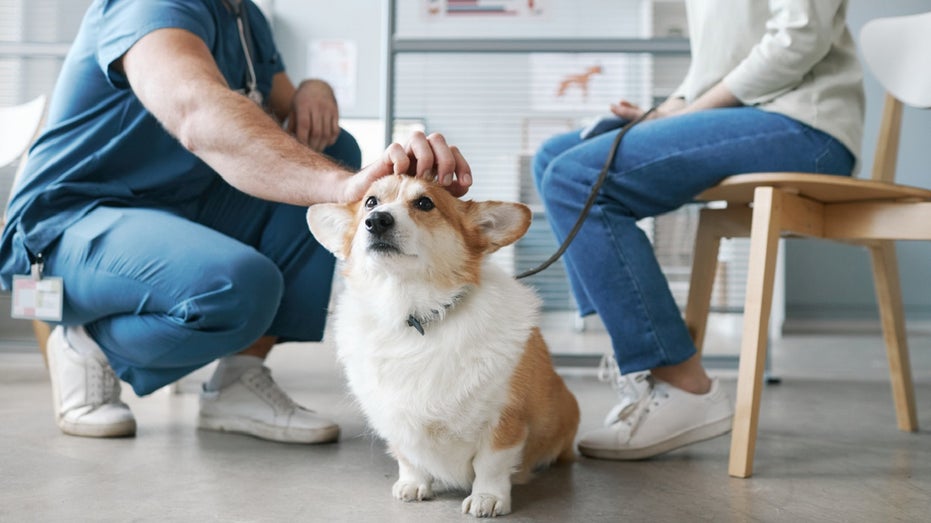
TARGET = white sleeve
x,y
798,35
680,91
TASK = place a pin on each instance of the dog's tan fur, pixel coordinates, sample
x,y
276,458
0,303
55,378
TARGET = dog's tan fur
x,y
542,411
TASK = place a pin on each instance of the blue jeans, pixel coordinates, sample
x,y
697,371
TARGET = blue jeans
x,y
660,165
165,291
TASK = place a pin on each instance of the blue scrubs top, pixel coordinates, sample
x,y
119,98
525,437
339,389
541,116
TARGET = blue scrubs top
x,y
100,146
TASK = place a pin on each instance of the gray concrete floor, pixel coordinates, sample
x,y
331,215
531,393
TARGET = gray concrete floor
x,y
828,450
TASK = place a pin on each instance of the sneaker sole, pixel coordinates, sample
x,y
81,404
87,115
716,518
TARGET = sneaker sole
x,y
695,435
269,432
122,429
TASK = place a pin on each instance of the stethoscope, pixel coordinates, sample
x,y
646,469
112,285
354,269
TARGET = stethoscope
x,y
242,22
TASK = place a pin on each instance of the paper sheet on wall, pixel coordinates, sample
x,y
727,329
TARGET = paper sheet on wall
x,y
585,81
485,8
335,61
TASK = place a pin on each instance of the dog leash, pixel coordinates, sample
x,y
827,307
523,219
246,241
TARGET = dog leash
x,y
418,323
591,198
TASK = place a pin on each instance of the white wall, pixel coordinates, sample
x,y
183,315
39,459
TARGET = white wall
x,y
823,281
479,101
297,22
831,281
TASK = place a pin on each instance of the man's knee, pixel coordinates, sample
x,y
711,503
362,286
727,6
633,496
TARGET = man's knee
x,y
346,151
231,306
238,296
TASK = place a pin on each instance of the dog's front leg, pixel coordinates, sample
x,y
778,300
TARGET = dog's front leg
x,y
412,484
491,490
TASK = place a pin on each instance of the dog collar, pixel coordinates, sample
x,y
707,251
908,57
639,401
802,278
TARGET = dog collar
x,y
418,322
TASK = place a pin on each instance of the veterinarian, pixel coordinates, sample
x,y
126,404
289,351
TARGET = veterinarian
x,y
168,192
776,88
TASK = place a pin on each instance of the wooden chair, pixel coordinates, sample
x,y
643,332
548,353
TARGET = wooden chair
x,y
872,213
19,126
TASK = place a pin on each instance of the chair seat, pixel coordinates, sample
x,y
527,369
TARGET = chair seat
x,y
824,188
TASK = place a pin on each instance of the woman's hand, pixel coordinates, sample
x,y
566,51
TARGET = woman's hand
x,y
425,157
716,97
627,110
630,111
314,116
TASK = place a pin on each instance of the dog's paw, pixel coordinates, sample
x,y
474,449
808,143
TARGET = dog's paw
x,y
486,505
411,490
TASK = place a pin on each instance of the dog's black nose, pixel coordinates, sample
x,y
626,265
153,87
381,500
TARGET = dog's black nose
x,y
378,222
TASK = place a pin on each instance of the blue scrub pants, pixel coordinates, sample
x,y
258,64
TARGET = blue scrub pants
x,y
661,165
165,291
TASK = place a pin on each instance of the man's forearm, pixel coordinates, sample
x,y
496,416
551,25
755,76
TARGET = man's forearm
x,y
238,140
176,79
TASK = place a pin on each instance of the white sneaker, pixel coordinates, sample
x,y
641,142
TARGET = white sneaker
x,y
661,419
85,392
255,405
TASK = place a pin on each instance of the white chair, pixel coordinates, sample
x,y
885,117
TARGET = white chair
x,y
19,126
896,50
873,213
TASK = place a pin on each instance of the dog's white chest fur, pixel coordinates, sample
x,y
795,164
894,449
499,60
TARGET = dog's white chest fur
x,y
435,397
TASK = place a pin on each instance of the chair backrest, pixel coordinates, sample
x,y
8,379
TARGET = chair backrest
x,y
887,145
895,50
19,126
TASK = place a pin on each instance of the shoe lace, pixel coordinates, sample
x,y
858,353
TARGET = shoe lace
x,y
264,385
635,391
102,385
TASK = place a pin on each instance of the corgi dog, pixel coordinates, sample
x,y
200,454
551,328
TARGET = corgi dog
x,y
441,347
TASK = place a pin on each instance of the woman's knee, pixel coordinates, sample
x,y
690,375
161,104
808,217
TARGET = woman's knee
x,y
564,179
543,179
548,151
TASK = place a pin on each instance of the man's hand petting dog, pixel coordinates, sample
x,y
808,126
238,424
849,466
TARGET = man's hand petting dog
x,y
429,158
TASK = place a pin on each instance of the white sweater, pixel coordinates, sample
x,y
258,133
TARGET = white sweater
x,y
793,57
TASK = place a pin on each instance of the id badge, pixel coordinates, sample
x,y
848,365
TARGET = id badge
x,y
38,298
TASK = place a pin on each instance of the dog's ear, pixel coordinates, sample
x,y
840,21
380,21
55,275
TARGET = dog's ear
x,y
501,223
331,223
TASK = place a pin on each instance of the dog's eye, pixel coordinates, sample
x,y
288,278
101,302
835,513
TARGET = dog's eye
x,y
424,204
371,202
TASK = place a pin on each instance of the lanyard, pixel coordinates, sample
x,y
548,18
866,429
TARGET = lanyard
x,y
245,35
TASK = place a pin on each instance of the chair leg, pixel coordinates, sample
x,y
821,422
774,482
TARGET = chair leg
x,y
764,245
889,296
713,224
701,282
42,332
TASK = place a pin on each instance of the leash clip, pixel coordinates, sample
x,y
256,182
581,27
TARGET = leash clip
x,y
36,266
415,323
